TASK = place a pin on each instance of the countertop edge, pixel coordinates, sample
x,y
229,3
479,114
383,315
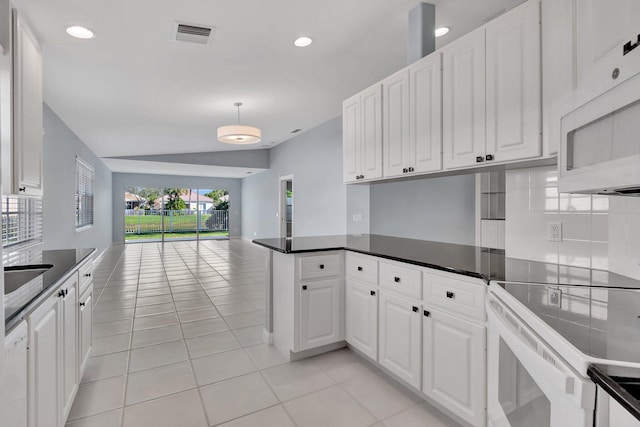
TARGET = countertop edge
x,y
614,390
385,256
18,316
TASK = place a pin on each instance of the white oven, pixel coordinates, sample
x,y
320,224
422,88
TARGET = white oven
x,y
528,383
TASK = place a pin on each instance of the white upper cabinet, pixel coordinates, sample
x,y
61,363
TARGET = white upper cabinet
x,y
513,85
351,138
412,111
463,102
425,113
395,123
602,30
27,112
491,95
362,135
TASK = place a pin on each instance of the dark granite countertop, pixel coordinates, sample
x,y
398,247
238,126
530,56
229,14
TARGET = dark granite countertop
x,y
26,300
473,261
622,384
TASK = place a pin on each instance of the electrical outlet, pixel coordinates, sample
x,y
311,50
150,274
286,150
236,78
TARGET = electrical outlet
x,y
255,234
554,233
554,297
357,217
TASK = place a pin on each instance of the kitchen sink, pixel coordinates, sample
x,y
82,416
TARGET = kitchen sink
x,y
18,275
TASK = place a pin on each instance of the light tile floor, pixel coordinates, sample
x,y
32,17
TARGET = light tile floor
x,y
178,342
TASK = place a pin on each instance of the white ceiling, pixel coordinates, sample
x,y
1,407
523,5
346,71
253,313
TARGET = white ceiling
x,y
177,169
134,91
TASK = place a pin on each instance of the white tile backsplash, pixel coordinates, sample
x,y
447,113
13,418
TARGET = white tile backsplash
x,y
598,231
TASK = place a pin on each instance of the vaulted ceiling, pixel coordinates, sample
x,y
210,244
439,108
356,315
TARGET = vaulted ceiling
x,y
132,90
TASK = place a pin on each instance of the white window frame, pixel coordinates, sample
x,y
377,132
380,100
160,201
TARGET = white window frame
x,y
84,180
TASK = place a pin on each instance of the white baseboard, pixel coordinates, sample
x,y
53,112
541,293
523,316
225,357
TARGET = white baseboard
x,y
267,337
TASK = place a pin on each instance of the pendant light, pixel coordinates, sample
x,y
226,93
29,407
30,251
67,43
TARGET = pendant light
x,y
239,134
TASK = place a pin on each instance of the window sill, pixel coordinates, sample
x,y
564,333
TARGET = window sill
x,y
83,228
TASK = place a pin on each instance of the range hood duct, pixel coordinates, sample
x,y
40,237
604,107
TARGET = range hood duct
x,y
421,38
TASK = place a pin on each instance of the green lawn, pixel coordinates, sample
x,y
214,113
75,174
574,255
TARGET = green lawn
x,y
147,227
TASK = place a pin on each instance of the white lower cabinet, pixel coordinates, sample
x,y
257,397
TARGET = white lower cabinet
x,y
85,329
362,317
59,346
399,348
321,308
454,369
69,314
13,398
45,340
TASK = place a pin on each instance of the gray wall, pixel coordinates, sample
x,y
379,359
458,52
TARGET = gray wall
x,y
314,158
440,209
61,146
122,180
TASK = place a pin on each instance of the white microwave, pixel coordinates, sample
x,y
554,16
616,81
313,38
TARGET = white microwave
x,y
600,145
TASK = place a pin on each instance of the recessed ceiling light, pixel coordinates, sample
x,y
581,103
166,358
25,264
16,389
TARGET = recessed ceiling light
x,y
303,41
80,32
442,31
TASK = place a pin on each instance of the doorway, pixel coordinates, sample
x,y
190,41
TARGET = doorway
x,y
161,214
286,207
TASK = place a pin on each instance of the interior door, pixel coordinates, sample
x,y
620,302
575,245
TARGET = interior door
x,y
463,101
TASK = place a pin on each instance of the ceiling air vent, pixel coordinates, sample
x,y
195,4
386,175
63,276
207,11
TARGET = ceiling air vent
x,y
193,33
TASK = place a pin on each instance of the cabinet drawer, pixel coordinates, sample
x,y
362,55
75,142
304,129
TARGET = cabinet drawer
x,y
86,275
318,266
403,280
362,267
459,296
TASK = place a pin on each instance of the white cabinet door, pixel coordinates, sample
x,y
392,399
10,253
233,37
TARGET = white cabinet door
x,y
362,318
371,132
425,114
602,29
362,135
514,85
13,392
400,337
321,313
463,100
69,331
351,138
45,367
454,369
85,329
27,109
395,124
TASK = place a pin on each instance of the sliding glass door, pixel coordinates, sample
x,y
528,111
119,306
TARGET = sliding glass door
x,y
162,214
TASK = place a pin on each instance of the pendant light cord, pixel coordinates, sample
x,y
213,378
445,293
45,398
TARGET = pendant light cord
x,y
238,104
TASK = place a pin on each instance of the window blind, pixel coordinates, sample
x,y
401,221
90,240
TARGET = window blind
x,y
84,194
